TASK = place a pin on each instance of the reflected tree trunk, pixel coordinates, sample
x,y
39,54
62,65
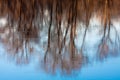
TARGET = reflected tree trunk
x,y
27,19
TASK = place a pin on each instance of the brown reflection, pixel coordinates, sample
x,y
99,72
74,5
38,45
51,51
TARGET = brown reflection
x,y
26,20
65,62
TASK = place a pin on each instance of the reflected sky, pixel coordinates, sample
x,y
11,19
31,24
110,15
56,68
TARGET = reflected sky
x,y
107,70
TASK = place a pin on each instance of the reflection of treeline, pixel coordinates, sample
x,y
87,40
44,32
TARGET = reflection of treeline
x,y
26,18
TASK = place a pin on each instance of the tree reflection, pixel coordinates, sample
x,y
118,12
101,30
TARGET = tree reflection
x,y
58,19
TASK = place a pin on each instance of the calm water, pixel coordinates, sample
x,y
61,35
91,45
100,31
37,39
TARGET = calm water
x,y
106,70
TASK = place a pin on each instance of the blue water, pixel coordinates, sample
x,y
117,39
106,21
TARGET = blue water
x,y
107,70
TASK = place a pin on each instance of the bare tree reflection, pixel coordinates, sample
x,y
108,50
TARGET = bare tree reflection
x,y
106,16
28,19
